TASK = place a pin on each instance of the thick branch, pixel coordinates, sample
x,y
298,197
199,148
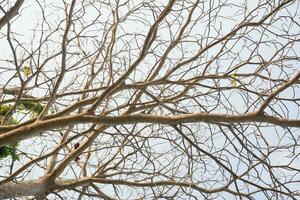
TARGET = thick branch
x,y
11,13
26,188
38,127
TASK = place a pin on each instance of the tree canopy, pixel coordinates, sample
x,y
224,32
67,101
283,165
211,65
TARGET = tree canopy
x,y
150,99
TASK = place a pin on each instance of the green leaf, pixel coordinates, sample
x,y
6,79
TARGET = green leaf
x,y
27,71
233,80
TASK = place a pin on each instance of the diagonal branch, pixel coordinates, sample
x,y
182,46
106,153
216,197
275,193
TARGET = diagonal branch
x,y
276,92
11,13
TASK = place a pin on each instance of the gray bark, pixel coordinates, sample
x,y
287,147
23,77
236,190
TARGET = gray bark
x,y
26,188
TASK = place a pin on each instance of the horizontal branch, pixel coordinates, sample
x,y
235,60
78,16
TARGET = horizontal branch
x,y
73,183
38,127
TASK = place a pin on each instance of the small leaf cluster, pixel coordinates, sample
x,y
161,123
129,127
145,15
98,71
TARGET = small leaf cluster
x,y
27,71
9,150
34,108
4,109
233,80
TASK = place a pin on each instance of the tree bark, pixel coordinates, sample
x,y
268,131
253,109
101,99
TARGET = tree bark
x,y
35,188
11,13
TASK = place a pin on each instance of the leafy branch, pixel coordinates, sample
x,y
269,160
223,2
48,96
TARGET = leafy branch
x,y
34,108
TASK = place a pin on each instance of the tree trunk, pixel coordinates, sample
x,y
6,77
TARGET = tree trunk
x,y
26,188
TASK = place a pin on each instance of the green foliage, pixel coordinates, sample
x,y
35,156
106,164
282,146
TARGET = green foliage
x,y
27,71
5,151
9,150
34,108
233,80
4,109
12,121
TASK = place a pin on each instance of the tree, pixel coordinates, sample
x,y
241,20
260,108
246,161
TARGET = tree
x,y
150,99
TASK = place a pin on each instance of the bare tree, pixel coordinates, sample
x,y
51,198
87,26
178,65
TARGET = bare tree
x,y
150,99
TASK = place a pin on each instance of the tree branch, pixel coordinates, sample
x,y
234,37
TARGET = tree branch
x,y
11,13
